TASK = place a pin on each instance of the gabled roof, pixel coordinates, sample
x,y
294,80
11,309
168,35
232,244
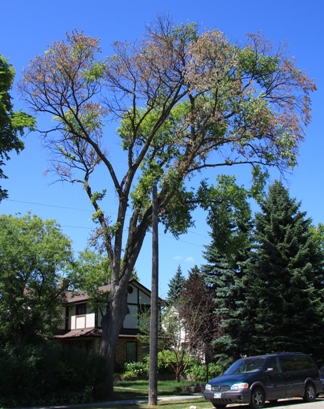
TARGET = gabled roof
x,y
79,296
82,296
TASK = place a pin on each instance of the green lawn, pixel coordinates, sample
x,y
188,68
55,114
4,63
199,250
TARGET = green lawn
x,y
138,390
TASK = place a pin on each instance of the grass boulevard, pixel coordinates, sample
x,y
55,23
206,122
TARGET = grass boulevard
x,y
171,395
137,390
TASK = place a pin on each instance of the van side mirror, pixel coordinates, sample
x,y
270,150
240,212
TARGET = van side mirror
x,y
269,370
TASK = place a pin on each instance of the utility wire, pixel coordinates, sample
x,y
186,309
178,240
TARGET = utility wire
x,y
90,228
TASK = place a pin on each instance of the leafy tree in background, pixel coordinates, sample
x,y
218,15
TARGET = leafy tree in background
x,y
91,270
175,287
12,123
230,220
35,257
318,235
286,279
173,349
197,312
184,102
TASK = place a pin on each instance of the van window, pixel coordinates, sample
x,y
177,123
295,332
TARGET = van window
x,y
246,365
296,363
273,363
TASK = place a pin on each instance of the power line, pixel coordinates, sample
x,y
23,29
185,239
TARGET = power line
x,y
48,205
90,228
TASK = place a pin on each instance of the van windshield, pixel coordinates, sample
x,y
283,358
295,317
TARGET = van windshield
x,y
245,365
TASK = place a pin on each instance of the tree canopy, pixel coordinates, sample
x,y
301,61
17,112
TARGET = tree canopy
x,y
35,257
184,101
12,123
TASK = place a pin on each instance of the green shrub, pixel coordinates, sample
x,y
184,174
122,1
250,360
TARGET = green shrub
x,y
196,371
48,374
135,369
167,361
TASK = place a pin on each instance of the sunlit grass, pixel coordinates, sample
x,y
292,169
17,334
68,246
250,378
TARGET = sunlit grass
x,y
165,387
137,390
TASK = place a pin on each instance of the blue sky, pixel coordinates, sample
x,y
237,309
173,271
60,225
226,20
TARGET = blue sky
x,y
28,27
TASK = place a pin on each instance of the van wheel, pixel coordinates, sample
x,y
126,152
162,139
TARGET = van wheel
x,y
257,398
310,393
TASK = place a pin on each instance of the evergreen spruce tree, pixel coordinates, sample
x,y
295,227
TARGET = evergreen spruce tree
x,y
230,221
175,287
227,280
286,278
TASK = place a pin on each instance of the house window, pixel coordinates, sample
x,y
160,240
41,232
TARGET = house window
x,y
131,351
81,309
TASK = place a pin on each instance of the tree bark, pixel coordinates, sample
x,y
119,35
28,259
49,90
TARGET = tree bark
x,y
112,323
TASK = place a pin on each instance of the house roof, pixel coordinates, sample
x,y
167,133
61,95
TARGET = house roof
x,y
77,296
82,296
91,333
81,333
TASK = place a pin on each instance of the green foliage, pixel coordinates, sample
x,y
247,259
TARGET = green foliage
x,y
171,362
98,196
91,271
157,167
35,259
230,220
262,66
260,178
286,278
175,287
12,123
199,372
46,374
135,369
176,217
269,284
318,235
95,72
229,213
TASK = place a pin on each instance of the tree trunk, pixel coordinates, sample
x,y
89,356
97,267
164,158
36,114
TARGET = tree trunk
x,y
112,323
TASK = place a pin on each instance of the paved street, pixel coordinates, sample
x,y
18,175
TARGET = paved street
x,y
296,403
289,404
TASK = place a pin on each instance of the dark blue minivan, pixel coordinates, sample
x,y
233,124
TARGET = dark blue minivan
x,y
257,379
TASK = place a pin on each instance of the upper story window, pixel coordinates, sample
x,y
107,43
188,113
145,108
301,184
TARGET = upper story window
x,y
81,309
